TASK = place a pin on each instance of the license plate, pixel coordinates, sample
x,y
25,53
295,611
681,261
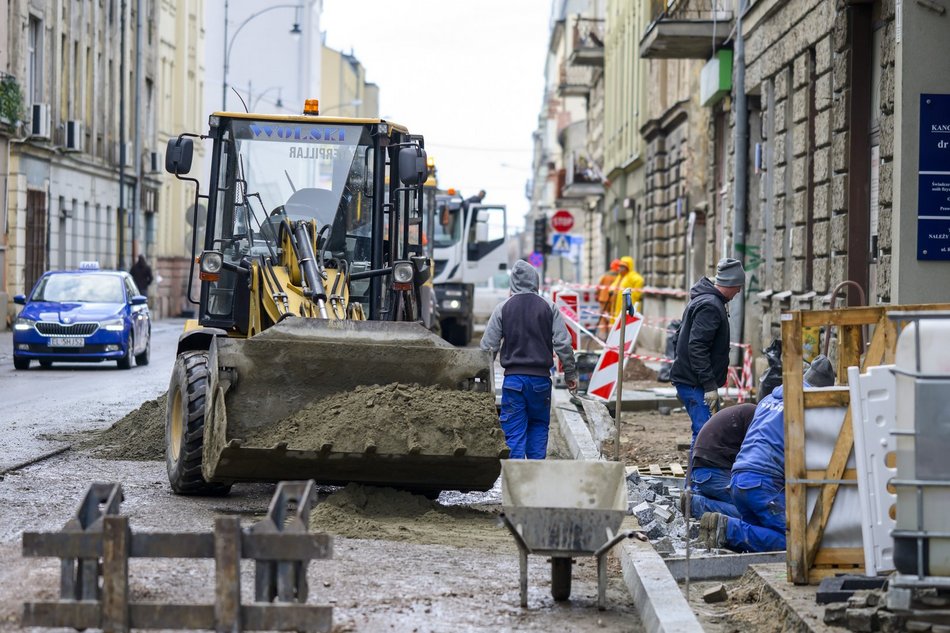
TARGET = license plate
x,y
67,342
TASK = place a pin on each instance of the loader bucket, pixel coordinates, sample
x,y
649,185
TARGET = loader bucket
x,y
278,399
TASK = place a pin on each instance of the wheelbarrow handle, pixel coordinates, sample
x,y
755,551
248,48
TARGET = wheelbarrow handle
x,y
617,538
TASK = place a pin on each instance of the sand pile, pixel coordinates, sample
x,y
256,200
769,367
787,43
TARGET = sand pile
x,y
138,436
635,369
395,418
384,513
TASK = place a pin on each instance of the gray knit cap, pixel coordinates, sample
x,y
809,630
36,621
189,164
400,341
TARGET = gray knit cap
x,y
820,373
729,273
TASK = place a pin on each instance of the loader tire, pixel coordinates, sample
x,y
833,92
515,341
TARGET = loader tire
x,y
561,578
184,427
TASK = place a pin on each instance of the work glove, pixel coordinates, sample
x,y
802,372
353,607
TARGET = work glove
x,y
712,399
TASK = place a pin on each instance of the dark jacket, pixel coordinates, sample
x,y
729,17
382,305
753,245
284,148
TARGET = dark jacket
x,y
702,345
531,327
142,275
718,442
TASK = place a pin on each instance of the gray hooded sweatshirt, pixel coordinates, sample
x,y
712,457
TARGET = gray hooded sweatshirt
x,y
528,329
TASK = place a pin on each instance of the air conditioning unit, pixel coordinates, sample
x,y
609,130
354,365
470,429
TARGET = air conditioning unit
x,y
40,122
74,136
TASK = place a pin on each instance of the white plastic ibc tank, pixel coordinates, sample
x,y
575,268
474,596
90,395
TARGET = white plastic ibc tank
x,y
923,408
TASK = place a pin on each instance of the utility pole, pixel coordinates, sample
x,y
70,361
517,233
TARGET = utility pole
x,y
120,229
224,77
137,127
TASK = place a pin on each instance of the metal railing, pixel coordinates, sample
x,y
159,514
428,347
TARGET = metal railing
x,y
589,33
690,9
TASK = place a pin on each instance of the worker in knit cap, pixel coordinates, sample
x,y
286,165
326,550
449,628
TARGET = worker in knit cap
x,y
702,344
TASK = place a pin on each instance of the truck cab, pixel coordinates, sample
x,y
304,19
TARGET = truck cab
x,y
470,245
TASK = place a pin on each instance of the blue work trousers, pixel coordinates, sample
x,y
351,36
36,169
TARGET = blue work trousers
x,y
692,399
760,500
526,415
710,492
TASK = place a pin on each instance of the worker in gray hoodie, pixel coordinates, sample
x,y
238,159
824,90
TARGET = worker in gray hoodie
x,y
527,330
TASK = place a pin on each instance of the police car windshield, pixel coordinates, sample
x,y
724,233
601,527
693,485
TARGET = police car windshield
x,y
80,288
303,170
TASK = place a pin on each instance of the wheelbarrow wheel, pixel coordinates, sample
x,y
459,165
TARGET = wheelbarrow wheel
x,y
561,578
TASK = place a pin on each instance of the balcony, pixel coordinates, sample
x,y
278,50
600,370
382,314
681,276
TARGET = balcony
x,y
686,29
574,81
582,177
588,48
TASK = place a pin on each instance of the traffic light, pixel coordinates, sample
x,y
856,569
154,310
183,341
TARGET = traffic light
x,y
541,236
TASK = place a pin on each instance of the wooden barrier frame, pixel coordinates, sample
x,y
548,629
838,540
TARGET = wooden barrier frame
x,y
807,561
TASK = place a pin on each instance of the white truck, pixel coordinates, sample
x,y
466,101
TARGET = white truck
x,y
470,245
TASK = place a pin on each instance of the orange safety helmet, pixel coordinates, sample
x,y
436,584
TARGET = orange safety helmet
x,y
615,265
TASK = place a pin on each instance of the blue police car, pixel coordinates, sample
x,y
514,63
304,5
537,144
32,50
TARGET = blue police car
x,y
85,315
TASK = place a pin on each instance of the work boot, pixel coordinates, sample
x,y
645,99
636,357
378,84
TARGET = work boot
x,y
712,529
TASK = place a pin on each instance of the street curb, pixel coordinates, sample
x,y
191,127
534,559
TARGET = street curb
x,y
659,601
721,566
573,427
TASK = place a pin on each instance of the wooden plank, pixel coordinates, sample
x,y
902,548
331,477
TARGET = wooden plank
x,y
227,589
850,475
287,617
63,544
795,502
677,470
172,545
863,315
68,614
115,573
839,459
154,615
850,349
815,399
655,470
286,546
847,556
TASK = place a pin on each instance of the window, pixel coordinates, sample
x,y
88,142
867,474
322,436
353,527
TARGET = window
x,y
34,69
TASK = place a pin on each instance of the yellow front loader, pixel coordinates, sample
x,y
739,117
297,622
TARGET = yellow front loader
x,y
308,302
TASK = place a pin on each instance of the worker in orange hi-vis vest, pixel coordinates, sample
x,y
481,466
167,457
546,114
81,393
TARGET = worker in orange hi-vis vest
x,y
628,278
605,297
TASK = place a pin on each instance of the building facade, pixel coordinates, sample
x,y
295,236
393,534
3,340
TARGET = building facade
x,y
75,67
344,90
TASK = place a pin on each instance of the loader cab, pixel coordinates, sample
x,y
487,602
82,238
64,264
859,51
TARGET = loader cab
x,y
348,176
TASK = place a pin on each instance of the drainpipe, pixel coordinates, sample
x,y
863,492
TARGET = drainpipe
x,y
120,224
137,132
741,137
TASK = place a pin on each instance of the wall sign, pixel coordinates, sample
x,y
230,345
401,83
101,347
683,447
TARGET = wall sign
x,y
933,179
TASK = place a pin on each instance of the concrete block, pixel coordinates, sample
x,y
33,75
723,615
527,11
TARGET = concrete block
x,y
820,244
659,600
664,546
662,514
861,620
656,486
835,614
840,70
821,208
839,193
644,514
799,106
859,600
653,530
890,622
839,152
714,594
916,626
839,233
839,111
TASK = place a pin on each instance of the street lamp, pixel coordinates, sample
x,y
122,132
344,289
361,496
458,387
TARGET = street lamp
x,y
295,31
260,95
355,103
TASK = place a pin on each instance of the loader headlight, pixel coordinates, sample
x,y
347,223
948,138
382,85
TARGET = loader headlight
x,y
402,273
211,264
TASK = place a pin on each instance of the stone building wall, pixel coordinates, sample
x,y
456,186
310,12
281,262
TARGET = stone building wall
x,y
799,80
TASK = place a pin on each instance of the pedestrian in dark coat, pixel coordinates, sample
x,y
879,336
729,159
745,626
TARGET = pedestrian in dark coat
x,y
142,274
528,330
702,345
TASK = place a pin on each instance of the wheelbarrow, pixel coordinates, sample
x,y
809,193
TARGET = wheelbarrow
x,y
564,509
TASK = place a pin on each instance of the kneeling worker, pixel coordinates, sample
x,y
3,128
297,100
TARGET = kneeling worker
x,y
528,329
714,453
758,477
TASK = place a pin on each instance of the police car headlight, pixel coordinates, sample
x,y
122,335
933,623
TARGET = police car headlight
x,y
402,273
22,324
115,325
211,262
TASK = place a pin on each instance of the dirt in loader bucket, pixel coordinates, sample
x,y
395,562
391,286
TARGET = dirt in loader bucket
x,y
394,418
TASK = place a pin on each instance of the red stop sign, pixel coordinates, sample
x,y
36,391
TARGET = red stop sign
x,y
562,221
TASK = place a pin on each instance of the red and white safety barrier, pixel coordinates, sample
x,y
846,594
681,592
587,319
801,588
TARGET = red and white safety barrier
x,y
603,381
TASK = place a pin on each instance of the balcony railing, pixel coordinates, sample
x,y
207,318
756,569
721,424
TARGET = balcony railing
x,y
686,29
583,177
574,81
588,48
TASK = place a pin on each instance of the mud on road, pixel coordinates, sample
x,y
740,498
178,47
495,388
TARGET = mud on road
x,y
401,562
